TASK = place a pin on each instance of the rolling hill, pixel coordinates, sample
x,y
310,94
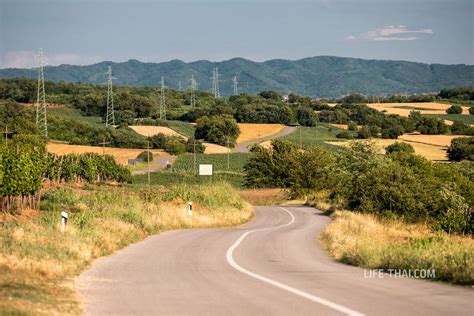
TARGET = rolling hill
x,y
322,76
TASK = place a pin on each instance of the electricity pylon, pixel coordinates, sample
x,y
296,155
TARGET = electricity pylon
x,y
162,100
193,91
235,86
215,82
110,116
179,86
41,119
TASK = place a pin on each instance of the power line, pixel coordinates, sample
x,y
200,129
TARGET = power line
x,y
162,100
41,118
235,86
215,82
110,116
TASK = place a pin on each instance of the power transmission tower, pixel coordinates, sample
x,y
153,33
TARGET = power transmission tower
x,y
215,82
110,116
41,119
235,86
193,91
162,100
179,86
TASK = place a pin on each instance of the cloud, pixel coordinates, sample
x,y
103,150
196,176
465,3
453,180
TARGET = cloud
x,y
392,33
27,59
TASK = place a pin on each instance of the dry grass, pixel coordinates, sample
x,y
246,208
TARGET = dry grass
x,y
250,131
38,262
430,152
264,196
214,149
437,140
365,240
153,130
121,155
422,107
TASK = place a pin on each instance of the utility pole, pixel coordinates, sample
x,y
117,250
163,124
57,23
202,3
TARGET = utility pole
x,y
193,91
110,116
215,82
148,160
162,100
6,134
41,119
194,157
301,142
228,154
235,86
103,145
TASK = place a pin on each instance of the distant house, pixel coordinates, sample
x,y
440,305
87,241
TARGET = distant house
x,y
285,99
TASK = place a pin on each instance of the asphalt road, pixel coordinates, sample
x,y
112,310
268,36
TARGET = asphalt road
x,y
271,266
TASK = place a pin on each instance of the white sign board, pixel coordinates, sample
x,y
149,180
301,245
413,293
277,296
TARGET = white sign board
x,y
205,170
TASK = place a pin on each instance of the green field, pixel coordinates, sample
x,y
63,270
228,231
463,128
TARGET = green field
x,y
317,135
466,118
237,161
167,178
67,112
183,128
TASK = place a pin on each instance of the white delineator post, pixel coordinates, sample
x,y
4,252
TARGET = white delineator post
x,y
64,218
190,208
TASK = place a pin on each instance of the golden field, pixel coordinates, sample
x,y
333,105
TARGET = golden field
x,y
437,140
430,152
214,149
121,155
251,131
148,131
422,107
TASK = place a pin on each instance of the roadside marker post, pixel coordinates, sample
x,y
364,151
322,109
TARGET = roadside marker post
x,y
64,217
190,208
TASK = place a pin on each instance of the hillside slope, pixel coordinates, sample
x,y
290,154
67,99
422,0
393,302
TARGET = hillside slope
x,y
322,76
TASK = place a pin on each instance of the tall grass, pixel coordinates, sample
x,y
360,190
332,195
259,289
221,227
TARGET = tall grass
x,y
365,240
38,262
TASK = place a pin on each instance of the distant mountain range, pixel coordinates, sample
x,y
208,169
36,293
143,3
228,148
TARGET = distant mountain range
x,y
322,76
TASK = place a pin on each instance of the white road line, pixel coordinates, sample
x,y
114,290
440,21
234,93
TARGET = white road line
x,y
235,265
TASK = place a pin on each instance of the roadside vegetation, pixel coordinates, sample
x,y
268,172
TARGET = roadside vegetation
x,y
38,261
398,187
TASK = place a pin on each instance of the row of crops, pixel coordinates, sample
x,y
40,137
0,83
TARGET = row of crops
x,y
233,162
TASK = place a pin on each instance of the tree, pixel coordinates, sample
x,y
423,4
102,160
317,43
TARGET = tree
x,y
393,132
306,116
144,156
221,129
471,110
193,145
399,147
454,109
352,126
461,148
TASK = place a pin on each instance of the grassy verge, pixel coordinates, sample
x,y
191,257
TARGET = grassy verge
x,y
166,177
184,128
365,240
264,196
38,262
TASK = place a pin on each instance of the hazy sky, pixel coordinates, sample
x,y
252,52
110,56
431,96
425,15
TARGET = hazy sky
x,y
84,32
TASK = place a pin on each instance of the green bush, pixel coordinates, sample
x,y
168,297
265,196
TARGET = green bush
x,y
399,147
461,148
345,135
471,110
145,156
454,109
221,129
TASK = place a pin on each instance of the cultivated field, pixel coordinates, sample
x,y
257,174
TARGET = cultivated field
x,y
148,131
250,131
437,140
215,149
404,109
430,152
120,154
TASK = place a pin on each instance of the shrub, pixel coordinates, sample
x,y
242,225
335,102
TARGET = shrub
x,y
345,135
461,148
454,109
193,145
399,147
393,132
144,156
352,126
471,110
175,147
306,116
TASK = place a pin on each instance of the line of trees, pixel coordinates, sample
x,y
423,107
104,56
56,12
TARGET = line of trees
x,y
399,184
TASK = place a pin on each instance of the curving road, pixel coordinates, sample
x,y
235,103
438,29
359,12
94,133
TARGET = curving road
x,y
271,266
243,147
